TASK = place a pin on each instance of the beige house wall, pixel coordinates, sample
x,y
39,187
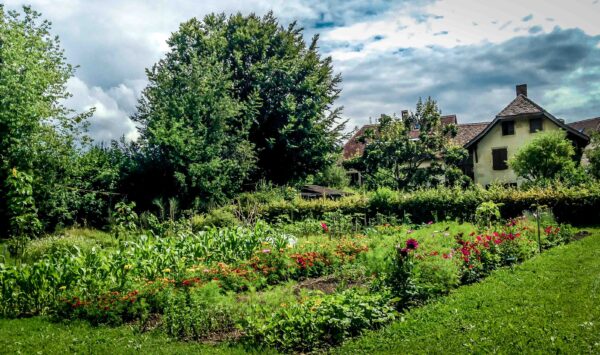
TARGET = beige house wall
x,y
483,166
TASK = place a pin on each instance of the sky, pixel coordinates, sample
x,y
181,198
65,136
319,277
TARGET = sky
x,y
468,55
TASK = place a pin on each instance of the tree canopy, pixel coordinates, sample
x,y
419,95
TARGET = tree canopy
x,y
412,151
37,133
238,99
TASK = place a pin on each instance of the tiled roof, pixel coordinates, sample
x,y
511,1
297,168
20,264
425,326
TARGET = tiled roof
x,y
519,106
449,119
355,148
468,131
587,126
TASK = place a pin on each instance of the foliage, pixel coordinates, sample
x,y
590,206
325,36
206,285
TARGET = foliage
x,y
236,96
392,149
218,217
401,273
570,204
21,205
192,127
37,132
487,212
74,240
321,321
547,156
332,176
506,312
593,155
124,219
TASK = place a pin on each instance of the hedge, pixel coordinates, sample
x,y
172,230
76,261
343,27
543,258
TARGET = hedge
x,y
575,205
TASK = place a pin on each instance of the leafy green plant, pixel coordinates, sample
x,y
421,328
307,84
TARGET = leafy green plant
x,y
124,218
400,278
320,321
24,220
487,213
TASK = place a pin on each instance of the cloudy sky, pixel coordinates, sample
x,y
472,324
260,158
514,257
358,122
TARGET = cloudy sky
x,y
467,54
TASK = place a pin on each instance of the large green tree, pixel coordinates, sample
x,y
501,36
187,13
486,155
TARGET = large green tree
x,y
282,89
37,133
194,133
412,151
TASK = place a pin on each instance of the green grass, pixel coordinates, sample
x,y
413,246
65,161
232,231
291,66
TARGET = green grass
x,y
549,304
40,336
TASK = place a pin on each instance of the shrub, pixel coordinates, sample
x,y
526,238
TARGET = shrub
x,y
570,204
73,240
197,312
320,321
221,217
486,213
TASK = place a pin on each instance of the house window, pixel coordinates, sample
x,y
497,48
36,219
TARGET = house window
x,y
508,128
499,157
535,124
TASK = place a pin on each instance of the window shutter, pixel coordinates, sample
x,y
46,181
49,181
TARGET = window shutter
x,y
499,157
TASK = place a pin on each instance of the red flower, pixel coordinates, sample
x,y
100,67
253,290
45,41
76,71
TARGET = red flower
x,y
324,226
412,244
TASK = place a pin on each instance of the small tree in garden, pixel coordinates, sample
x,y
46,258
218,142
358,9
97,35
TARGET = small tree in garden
x,y
394,153
548,156
487,213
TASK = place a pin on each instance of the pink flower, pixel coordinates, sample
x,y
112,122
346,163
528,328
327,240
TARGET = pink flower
x,y
266,251
412,244
324,226
430,222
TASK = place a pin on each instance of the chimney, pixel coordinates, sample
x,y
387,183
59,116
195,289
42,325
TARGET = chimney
x,y
404,114
522,90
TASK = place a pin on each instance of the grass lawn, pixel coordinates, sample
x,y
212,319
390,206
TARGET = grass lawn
x,y
40,336
550,304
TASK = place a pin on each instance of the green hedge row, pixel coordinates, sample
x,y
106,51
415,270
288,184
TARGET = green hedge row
x,y
575,205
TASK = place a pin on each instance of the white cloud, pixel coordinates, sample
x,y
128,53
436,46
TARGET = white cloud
x,y
113,108
451,23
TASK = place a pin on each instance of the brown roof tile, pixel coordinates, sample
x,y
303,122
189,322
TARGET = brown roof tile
x,y
449,119
468,131
587,126
354,147
519,106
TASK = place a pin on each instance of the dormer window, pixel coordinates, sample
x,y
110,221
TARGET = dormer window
x,y
508,128
535,124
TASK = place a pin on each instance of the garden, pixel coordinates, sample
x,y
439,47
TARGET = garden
x,y
292,286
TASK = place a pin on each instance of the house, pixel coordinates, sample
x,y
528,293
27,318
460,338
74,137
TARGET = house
x,y
492,144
